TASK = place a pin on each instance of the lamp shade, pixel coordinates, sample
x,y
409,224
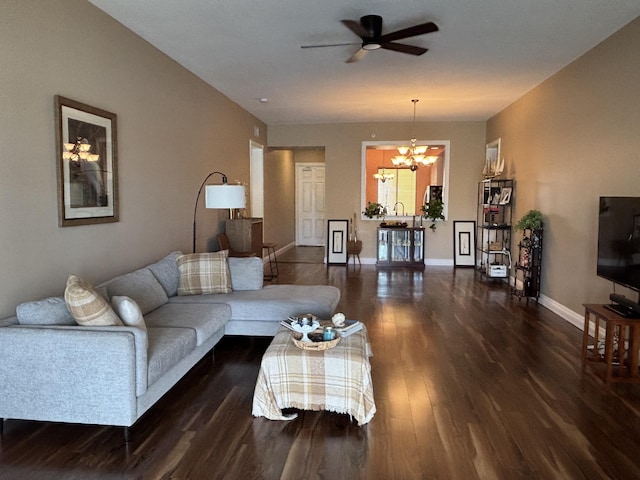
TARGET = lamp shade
x,y
225,196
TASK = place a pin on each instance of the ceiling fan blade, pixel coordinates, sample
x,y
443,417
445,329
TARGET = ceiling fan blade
x,y
428,27
329,45
359,55
403,48
356,28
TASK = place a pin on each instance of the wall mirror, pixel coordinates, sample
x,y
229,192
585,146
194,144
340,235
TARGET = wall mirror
x,y
401,190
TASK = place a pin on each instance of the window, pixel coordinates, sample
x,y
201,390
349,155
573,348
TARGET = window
x,y
398,191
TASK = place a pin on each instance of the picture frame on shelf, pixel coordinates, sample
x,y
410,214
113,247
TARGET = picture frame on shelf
x,y
337,235
464,243
86,164
505,196
491,195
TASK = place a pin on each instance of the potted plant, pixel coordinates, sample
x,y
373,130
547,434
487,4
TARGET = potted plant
x,y
433,211
375,209
532,220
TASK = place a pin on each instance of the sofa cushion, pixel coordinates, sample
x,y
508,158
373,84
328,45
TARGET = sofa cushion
x,y
274,302
130,313
167,346
48,311
204,273
141,286
204,319
166,272
87,306
247,273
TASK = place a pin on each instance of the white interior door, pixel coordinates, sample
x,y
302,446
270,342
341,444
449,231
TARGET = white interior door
x,y
310,204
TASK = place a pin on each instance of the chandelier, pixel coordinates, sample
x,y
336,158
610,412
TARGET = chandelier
x,y
382,176
414,155
81,150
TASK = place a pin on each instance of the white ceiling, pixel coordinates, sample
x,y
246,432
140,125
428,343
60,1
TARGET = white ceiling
x,y
487,53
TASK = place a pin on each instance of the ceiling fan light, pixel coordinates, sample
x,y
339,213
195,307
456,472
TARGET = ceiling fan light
x,y
370,46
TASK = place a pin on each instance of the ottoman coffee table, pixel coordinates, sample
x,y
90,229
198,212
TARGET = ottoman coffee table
x,y
336,380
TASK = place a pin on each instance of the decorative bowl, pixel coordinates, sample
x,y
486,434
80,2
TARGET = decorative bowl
x,y
305,325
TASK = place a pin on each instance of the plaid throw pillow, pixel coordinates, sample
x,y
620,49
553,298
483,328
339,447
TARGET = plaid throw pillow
x,y
87,306
204,273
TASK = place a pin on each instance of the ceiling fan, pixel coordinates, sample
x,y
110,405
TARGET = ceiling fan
x,y
369,29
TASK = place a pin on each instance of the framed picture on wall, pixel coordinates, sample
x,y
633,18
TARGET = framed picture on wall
x,y
464,243
86,164
337,233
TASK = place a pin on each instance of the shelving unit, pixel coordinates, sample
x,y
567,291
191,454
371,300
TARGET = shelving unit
x,y
400,247
526,278
493,247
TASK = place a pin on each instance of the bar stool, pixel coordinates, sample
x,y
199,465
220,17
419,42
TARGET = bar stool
x,y
273,262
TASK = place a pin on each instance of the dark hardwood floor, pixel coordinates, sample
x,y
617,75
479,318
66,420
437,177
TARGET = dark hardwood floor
x,y
468,385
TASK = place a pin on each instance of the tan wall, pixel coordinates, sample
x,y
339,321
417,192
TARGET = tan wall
x,y
567,142
279,194
343,150
173,129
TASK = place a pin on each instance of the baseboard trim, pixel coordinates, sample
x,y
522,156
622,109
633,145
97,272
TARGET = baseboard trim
x,y
279,251
434,262
567,314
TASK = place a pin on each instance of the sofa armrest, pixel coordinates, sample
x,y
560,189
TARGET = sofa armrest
x,y
70,374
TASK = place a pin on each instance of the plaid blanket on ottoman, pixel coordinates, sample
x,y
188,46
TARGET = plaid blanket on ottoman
x,y
337,380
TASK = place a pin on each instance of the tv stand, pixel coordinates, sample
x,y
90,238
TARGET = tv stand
x,y
614,358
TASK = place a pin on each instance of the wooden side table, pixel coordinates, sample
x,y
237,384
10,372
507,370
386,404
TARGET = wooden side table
x,y
619,353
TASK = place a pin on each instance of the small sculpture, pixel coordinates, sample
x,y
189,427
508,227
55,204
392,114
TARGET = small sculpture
x,y
338,319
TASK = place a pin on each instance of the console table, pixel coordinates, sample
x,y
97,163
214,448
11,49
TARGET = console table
x,y
615,359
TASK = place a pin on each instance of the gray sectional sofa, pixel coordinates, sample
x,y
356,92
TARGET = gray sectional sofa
x,y
53,369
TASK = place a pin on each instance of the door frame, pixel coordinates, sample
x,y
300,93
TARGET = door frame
x,y
256,179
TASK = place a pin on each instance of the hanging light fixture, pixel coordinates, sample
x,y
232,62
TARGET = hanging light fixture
x,y
414,155
382,176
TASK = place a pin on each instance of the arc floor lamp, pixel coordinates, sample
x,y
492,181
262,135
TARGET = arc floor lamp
x,y
219,196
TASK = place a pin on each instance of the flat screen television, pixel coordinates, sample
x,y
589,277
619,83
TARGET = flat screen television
x,y
619,244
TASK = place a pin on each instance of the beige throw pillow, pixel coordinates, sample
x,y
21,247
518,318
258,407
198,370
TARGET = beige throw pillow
x,y
204,273
87,306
